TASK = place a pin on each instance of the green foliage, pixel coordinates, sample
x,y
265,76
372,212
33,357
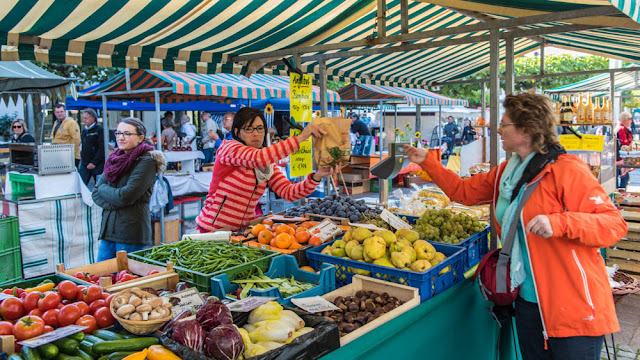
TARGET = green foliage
x,y
5,125
336,85
84,74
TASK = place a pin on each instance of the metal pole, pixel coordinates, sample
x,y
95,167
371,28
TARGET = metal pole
x,y
439,124
612,95
323,88
494,87
159,147
332,109
380,129
542,56
508,73
419,118
395,118
249,102
127,78
105,126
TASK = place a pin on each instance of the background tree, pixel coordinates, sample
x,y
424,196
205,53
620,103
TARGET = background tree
x,y
86,75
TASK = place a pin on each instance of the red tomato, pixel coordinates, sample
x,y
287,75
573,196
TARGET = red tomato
x,y
82,275
30,301
109,298
50,300
105,296
36,312
50,317
93,293
6,328
11,308
9,291
84,308
127,277
68,289
68,315
60,305
152,272
96,305
104,318
28,327
120,275
81,291
47,328
88,321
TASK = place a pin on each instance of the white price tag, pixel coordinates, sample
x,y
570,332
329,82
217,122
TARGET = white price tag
x,y
250,303
52,336
314,304
394,220
367,226
5,296
325,230
187,299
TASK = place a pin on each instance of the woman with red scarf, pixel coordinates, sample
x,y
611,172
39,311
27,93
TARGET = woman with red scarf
x,y
124,191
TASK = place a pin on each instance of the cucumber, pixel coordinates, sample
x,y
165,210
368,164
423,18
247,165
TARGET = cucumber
x,y
104,357
127,335
87,347
92,339
79,336
14,357
137,344
30,353
119,355
67,346
63,356
84,355
107,335
48,351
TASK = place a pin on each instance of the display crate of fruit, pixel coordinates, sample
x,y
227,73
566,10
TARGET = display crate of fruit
x,y
436,279
363,285
340,209
284,266
300,254
54,278
198,261
122,273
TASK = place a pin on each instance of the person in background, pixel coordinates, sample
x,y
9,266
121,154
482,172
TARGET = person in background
x,y
210,134
227,123
168,115
468,133
358,126
92,154
20,132
244,167
66,130
188,131
168,134
564,305
450,131
125,190
624,133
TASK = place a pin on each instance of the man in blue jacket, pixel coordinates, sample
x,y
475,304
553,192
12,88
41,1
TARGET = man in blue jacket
x,y
92,153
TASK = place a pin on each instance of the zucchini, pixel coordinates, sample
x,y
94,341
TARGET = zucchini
x,y
48,351
127,335
14,357
104,357
107,335
84,355
63,356
137,344
119,355
30,353
87,347
92,339
79,336
67,346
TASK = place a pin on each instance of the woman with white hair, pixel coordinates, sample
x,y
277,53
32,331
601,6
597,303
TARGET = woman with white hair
x,y
625,137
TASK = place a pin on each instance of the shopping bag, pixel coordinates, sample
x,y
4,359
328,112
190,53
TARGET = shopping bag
x,y
159,196
335,146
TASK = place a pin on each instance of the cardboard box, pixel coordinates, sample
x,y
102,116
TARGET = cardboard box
x,y
356,187
171,232
352,176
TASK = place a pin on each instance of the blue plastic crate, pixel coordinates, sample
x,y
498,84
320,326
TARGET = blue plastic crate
x,y
281,266
429,283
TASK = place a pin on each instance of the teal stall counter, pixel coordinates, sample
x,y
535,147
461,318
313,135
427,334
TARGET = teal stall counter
x,y
455,324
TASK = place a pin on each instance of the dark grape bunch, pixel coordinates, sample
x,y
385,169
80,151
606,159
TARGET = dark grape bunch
x,y
345,207
442,225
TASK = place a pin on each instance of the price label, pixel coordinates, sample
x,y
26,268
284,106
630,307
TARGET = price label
x,y
393,220
52,336
325,230
300,160
250,303
184,300
367,226
301,97
5,296
587,143
314,304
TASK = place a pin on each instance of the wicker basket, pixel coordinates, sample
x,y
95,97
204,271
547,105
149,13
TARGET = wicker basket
x,y
631,285
139,327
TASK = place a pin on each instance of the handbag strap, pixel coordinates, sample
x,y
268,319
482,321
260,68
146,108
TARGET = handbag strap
x,y
507,245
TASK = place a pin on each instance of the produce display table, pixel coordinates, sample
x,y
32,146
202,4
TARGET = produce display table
x,y
50,186
453,325
54,231
175,156
182,184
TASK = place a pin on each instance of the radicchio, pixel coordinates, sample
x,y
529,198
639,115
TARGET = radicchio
x,y
214,314
224,343
190,334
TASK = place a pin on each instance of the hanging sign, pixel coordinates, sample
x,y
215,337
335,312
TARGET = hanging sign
x,y
301,98
587,143
300,160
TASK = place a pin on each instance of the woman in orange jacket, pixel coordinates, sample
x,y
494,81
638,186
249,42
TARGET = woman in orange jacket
x,y
565,304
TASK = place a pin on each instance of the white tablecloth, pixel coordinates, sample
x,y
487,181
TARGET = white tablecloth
x,y
175,156
192,183
49,186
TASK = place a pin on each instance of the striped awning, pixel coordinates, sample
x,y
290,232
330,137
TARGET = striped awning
x,y
283,83
599,85
368,94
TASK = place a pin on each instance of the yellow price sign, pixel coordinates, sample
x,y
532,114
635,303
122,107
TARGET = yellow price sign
x,y
301,98
587,143
300,160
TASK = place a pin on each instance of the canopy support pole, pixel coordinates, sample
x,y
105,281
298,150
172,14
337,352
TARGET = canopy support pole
x,y
439,125
509,83
323,88
395,118
382,19
380,130
105,127
383,183
404,16
542,56
418,118
494,87
159,148
127,78
332,109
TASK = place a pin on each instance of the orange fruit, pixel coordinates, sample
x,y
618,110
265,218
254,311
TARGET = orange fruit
x,y
265,236
302,237
315,241
268,222
293,226
257,229
307,268
273,243
294,245
306,225
283,240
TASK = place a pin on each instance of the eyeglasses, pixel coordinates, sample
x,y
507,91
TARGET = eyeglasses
x,y
249,130
126,134
17,126
501,124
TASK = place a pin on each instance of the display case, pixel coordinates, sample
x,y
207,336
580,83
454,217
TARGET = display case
x,y
599,152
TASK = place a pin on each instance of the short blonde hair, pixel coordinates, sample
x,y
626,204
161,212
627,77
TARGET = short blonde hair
x,y
625,115
533,115
24,126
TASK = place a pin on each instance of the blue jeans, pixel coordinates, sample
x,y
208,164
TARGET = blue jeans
x,y
623,180
208,155
108,249
531,340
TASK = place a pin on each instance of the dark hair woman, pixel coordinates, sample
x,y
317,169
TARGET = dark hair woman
x,y
124,191
243,169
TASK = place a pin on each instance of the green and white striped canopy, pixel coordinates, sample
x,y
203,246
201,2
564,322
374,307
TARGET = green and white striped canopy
x,y
599,85
195,36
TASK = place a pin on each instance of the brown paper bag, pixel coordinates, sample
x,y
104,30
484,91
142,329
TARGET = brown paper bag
x,y
337,136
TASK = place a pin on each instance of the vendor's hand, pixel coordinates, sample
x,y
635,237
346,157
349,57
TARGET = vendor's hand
x,y
90,166
311,130
540,225
414,154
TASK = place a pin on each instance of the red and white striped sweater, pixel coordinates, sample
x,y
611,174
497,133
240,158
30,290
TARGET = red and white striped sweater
x,y
233,193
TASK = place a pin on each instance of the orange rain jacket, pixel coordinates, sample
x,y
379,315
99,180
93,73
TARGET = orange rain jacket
x,y
571,282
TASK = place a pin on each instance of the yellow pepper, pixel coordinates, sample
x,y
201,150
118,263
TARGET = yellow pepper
x,y
137,356
159,352
42,288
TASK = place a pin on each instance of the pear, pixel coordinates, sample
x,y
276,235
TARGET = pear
x,y
412,253
420,265
424,250
401,259
438,257
326,250
359,271
349,247
397,246
357,252
361,233
388,236
337,248
407,234
365,256
375,249
383,262
348,235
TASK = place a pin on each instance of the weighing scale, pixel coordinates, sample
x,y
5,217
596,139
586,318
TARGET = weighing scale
x,y
389,168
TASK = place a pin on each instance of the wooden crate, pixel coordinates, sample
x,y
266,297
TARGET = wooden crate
x,y
626,252
408,295
171,232
165,278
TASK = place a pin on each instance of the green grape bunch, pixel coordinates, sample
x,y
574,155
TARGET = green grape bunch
x,y
444,226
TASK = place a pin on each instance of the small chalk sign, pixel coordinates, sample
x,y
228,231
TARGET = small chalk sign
x,y
393,220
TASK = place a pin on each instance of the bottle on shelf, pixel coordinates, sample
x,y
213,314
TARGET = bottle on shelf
x,y
566,112
598,112
187,144
165,146
556,110
607,113
581,110
589,113
154,139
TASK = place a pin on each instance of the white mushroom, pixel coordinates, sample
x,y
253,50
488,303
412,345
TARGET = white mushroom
x,y
155,314
135,300
125,310
144,308
145,316
139,293
135,317
119,301
155,302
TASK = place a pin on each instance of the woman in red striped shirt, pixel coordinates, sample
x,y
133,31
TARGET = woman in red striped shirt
x,y
244,167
